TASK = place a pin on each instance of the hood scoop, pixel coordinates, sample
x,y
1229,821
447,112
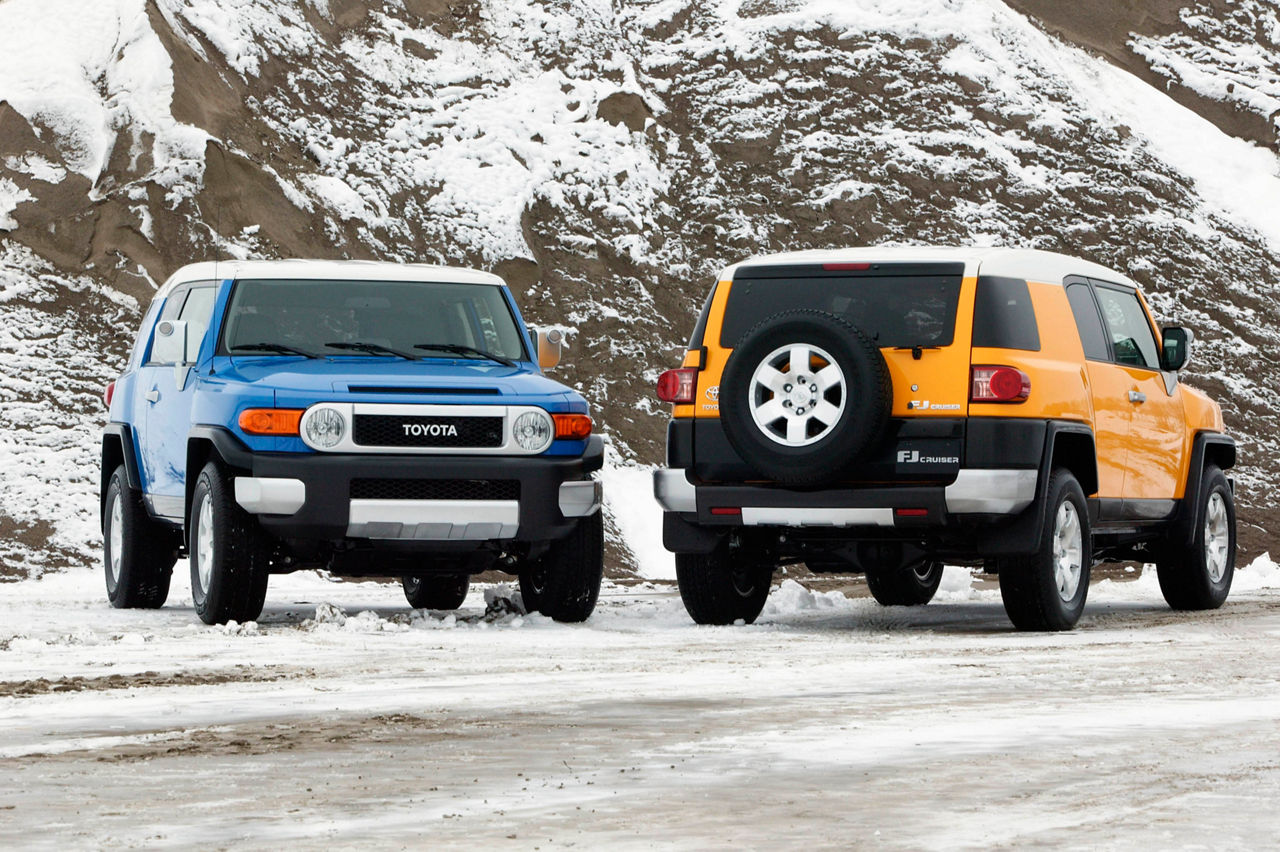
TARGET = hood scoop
x,y
424,391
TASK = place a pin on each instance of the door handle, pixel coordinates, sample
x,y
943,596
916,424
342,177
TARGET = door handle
x,y
1137,396
153,395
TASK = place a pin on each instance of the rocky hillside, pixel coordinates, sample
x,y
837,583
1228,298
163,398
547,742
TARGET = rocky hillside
x,y
607,158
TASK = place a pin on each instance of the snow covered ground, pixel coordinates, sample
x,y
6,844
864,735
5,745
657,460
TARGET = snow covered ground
x,y
345,718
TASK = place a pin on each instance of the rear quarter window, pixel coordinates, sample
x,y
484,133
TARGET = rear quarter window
x,y
1003,317
1088,322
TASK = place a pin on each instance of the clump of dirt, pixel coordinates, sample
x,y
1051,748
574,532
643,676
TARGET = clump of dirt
x,y
625,108
45,686
27,547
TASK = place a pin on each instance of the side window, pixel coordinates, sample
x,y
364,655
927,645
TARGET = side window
x,y
1088,322
140,345
1003,317
1131,337
197,312
172,307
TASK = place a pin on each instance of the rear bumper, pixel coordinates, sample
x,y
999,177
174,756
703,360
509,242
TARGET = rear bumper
x,y
1000,492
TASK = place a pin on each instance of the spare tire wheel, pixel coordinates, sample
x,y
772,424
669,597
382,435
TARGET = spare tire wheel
x,y
804,394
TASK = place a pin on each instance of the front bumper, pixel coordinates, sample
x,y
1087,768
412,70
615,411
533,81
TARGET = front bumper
x,y
974,492
310,497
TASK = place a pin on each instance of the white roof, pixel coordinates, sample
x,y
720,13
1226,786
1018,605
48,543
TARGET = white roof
x,y
341,270
1033,265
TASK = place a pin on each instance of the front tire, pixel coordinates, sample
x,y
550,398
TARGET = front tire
x,y
1047,589
564,583
719,589
230,555
905,586
443,591
1200,577
138,553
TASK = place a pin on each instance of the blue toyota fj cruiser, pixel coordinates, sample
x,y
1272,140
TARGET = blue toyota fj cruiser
x,y
374,419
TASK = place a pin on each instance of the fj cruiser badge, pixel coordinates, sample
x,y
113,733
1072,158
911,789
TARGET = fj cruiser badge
x,y
914,457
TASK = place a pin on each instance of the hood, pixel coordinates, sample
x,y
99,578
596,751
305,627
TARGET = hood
x,y
300,381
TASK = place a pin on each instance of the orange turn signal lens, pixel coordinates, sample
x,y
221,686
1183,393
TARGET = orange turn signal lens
x,y
271,421
575,427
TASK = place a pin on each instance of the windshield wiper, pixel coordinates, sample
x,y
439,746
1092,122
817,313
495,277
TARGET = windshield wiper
x,y
372,349
274,347
459,349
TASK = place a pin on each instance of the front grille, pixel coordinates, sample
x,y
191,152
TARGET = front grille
x,y
435,489
394,430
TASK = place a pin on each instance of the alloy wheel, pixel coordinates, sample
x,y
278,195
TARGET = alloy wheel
x,y
1217,537
1068,551
204,544
797,394
115,539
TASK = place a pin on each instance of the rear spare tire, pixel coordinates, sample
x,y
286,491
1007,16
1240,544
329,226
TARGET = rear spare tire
x,y
804,395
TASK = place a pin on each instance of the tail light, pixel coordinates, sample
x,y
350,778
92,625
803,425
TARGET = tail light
x,y
999,384
678,385
109,394
271,421
575,427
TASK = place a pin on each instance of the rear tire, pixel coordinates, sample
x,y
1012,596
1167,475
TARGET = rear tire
x,y
564,583
138,552
443,591
718,589
1200,577
229,554
1047,589
905,586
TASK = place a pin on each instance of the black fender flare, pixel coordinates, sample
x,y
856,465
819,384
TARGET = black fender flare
x,y
593,455
119,445
225,446
1023,534
1222,449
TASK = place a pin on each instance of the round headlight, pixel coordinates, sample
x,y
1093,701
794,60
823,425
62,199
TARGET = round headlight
x,y
533,431
325,428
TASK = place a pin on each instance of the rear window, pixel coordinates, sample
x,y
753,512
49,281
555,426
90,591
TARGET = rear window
x,y
896,305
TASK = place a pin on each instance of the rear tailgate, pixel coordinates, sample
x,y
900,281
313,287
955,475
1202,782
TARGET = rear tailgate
x,y
919,314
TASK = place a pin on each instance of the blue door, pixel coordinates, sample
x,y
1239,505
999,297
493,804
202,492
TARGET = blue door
x,y
168,390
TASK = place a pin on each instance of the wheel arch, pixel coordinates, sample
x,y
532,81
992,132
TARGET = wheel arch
x,y
1069,445
205,444
118,448
1073,448
1206,448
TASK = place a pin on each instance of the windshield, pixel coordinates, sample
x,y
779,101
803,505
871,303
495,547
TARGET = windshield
x,y
382,317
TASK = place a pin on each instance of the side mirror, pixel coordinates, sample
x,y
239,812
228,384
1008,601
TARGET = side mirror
x,y
548,347
1175,348
170,346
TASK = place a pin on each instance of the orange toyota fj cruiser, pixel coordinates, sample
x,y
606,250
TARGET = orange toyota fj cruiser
x,y
886,410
